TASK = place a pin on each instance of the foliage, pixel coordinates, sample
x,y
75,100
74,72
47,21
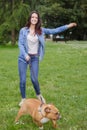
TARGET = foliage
x,y
18,17
14,14
62,12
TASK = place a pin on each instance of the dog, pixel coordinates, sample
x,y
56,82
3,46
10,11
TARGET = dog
x,y
40,112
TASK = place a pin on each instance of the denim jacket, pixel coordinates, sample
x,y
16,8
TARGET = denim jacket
x,y
23,45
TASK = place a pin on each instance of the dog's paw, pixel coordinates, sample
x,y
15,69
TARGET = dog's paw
x,y
41,128
19,123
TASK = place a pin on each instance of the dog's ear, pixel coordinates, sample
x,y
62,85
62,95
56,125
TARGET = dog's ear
x,y
47,109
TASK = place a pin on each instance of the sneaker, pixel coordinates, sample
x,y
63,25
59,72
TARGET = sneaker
x,y
23,99
40,97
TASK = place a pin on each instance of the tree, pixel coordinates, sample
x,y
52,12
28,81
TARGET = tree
x,y
14,18
14,14
56,13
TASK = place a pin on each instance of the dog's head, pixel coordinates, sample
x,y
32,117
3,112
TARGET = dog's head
x,y
50,111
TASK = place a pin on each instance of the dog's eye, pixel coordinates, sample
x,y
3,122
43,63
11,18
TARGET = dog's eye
x,y
56,113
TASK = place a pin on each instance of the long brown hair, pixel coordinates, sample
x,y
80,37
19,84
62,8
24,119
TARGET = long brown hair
x,y
38,29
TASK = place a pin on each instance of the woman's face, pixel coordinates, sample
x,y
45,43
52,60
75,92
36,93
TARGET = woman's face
x,y
34,19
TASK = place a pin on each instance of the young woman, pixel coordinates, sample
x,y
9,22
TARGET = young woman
x,y
31,45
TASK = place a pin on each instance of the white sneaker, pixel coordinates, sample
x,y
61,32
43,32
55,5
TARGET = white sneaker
x,y
21,102
40,97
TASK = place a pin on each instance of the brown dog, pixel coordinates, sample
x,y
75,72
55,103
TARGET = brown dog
x,y
41,113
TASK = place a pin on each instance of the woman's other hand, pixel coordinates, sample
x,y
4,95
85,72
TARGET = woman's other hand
x,y
72,25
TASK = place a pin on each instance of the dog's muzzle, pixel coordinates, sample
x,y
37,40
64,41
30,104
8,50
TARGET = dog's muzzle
x,y
59,116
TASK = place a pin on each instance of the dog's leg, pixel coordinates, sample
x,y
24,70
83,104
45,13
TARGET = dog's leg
x,y
54,124
20,113
38,124
41,128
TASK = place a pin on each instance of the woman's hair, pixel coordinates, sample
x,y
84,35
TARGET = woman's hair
x,y
38,25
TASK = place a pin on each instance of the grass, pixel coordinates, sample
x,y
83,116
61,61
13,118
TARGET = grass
x,y
63,81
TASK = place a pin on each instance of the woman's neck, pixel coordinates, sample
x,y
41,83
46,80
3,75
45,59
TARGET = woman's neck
x,y
32,29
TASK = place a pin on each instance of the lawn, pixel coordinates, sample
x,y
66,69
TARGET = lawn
x,y
63,82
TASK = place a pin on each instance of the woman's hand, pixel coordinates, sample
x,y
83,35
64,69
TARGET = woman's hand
x,y
27,58
72,25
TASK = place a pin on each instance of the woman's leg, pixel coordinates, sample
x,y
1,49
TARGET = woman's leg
x,y
22,67
34,68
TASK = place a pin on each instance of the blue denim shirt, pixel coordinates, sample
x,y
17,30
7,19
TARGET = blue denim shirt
x,y
23,45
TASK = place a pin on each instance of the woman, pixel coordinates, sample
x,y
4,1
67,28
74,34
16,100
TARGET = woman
x,y
31,45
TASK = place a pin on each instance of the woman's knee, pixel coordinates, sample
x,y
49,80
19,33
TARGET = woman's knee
x,y
34,80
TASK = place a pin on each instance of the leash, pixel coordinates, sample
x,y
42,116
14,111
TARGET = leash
x,y
40,109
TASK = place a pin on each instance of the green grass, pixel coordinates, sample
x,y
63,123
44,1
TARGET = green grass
x,y
63,81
